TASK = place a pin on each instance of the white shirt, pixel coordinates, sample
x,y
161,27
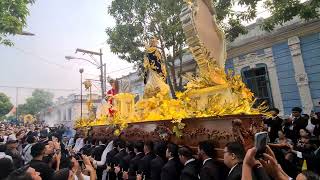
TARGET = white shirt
x,y
79,144
3,155
85,177
232,169
104,155
190,160
26,152
206,160
310,127
70,143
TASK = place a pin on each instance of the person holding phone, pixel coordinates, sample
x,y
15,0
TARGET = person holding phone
x,y
38,151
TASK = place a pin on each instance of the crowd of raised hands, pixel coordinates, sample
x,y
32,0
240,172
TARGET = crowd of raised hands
x,y
269,168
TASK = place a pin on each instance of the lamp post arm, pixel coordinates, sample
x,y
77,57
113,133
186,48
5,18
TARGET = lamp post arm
x,y
74,58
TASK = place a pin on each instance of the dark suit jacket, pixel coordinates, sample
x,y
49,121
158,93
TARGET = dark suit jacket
x,y
145,165
190,171
118,159
156,166
111,161
171,170
97,152
97,155
300,123
119,156
125,162
134,166
275,125
213,170
313,160
236,173
316,121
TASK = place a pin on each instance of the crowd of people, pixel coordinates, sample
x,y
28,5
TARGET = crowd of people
x,y
36,151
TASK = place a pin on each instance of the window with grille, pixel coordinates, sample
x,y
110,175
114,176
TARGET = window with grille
x,y
257,80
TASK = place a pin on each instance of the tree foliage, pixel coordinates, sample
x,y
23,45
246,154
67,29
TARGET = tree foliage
x,y
5,105
161,18
281,11
39,100
13,15
137,21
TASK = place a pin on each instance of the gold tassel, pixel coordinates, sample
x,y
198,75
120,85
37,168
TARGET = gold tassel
x,y
304,165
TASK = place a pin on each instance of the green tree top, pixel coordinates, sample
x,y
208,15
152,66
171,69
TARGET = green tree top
x,y
5,105
39,100
13,15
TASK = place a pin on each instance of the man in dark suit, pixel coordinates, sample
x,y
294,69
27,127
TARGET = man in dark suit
x,y
158,162
190,170
274,124
172,169
125,161
299,121
211,169
234,154
121,152
134,163
119,157
295,123
97,154
111,161
145,165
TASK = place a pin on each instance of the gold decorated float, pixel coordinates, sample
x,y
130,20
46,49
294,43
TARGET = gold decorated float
x,y
29,119
214,102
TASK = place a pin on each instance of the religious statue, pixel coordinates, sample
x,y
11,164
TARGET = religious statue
x,y
154,71
110,96
153,61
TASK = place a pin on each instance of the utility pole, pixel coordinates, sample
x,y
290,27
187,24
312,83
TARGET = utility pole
x,y
105,77
102,75
98,64
81,71
17,95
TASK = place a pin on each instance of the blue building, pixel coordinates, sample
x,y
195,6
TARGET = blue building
x,y
282,66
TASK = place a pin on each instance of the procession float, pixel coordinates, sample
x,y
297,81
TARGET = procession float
x,y
215,105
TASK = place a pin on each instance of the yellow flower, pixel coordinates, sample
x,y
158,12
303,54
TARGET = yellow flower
x,y
116,132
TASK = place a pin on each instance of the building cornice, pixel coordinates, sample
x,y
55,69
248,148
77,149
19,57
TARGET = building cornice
x,y
269,39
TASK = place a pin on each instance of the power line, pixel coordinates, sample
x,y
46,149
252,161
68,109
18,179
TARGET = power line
x,y
25,87
61,66
42,58
45,60
119,70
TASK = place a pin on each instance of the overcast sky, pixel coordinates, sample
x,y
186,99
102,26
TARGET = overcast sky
x,y
60,27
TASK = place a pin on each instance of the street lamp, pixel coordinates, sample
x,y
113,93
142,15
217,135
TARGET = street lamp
x,y
81,71
100,65
25,33
75,58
